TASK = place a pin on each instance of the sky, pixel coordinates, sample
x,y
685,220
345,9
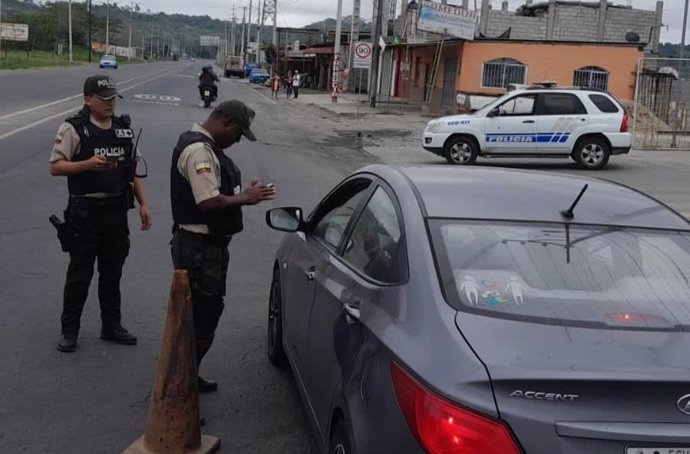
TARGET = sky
x,y
298,13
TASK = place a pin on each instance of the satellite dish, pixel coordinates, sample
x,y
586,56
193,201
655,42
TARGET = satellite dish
x,y
632,37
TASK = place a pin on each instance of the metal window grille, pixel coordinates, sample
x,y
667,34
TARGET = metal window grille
x,y
591,77
501,73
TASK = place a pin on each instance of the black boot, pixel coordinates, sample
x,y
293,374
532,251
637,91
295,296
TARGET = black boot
x,y
118,335
67,344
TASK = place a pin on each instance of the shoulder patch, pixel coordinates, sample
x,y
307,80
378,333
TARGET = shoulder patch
x,y
202,167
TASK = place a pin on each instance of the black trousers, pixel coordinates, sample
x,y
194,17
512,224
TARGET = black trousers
x,y
205,258
101,231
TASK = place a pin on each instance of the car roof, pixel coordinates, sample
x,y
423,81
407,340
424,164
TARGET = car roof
x,y
507,194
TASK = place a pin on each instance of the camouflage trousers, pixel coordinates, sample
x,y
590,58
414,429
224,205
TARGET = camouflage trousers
x,y
205,257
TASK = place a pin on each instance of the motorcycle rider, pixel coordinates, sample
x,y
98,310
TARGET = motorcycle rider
x,y
208,78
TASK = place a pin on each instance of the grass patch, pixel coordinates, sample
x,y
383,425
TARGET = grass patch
x,y
19,59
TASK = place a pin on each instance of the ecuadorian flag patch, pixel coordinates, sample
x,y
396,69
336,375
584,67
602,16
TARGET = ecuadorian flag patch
x,y
202,167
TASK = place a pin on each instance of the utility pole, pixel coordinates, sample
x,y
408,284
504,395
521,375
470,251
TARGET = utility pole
x,y
90,46
249,33
354,37
374,73
129,46
0,24
336,52
275,24
243,46
107,28
233,50
69,21
681,68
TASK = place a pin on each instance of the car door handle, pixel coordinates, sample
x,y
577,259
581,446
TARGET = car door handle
x,y
311,273
528,122
351,310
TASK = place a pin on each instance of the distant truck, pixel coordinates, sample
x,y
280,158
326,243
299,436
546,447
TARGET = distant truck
x,y
234,66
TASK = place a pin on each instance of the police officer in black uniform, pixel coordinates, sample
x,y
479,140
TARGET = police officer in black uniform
x,y
207,199
95,151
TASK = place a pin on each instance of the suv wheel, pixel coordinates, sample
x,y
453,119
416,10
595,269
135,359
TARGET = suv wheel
x,y
276,354
592,153
461,151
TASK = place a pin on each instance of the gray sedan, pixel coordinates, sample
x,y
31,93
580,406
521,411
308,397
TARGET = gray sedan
x,y
485,311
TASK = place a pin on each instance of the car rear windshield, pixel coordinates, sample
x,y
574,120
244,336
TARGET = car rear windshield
x,y
604,104
572,275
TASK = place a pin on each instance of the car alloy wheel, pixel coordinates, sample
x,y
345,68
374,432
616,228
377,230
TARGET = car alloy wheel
x,y
276,354
461,151
592,154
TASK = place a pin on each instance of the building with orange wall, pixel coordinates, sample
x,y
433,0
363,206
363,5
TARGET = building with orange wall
x,y
484,67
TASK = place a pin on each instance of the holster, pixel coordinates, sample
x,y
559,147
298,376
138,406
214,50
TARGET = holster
x,y
65,233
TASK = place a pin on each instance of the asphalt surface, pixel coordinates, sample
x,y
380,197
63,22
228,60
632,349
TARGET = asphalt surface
x,y
96,400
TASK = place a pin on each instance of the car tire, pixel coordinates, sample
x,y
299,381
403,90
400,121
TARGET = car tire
x,y
276,353
461,150
592,153
340,442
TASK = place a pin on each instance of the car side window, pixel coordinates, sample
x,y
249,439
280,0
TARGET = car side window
x,y
338,211
375,246
559,104
517,106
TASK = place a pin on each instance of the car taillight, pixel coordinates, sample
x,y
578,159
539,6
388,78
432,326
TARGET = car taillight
x,y
624,123
443,428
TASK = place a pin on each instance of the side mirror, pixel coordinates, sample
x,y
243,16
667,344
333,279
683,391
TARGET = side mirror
x,y
493,113
287,219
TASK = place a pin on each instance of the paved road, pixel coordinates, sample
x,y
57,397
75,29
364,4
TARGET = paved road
x,y
96,400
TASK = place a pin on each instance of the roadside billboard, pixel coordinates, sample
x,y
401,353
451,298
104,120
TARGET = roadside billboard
x,y
448,20
14,32
209,40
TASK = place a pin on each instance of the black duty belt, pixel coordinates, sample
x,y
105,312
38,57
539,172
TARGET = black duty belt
x,y
106,202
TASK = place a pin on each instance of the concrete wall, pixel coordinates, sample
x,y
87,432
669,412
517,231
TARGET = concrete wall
x,y
556,62
575,23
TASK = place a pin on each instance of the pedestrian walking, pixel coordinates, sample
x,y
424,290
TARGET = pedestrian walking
x,y
275,85
95,150
207,199
296,79
288,84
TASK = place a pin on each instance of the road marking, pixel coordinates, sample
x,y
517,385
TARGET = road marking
x,y
43,106
265,97
43,120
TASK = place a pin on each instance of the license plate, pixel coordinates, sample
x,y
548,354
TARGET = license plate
x,y
678,450
207,93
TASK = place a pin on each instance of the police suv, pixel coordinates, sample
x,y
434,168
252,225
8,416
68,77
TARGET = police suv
x,y
586,124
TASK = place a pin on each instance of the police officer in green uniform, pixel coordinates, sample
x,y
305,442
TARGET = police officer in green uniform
x,y
95,151
207,199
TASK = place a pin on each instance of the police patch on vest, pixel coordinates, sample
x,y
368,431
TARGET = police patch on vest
x,y
124,133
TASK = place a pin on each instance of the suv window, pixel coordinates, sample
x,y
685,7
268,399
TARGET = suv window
x,y
339,209
559,104
374,248
519,105
604,104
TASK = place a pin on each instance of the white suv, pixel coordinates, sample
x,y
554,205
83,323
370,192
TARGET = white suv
x,y
583,123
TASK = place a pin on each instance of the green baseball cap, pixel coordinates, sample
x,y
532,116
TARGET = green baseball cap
x,y
241,113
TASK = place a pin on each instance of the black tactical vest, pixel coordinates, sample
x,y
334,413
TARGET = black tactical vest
x,y
220,222
115,143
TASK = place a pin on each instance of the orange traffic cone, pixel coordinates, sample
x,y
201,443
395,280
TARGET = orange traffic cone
x,y
173,425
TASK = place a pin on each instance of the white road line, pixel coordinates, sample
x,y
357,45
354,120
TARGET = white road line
x,y
43,106
43,120
265,97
